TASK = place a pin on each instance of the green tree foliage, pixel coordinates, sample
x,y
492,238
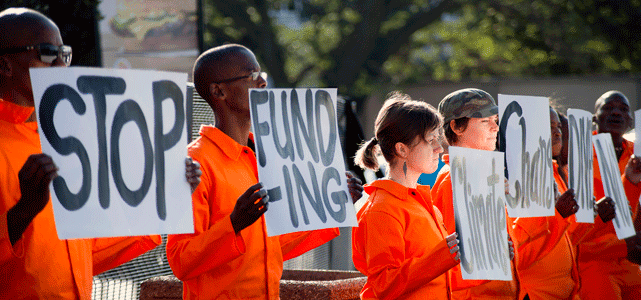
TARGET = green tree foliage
x,y
490,38
77,20
340,43
355,44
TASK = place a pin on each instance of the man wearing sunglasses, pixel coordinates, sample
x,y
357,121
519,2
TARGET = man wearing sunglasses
x,y
34,263
230,255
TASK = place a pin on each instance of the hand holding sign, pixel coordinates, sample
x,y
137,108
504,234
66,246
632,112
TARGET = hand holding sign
x,y
192,173
249,207
633,169
355,186
34,176
566,204
452,242
605,209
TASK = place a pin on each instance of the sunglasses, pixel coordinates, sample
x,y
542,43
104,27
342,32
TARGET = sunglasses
x,y
253,75
47,53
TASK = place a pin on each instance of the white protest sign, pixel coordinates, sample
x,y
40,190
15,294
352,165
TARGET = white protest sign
x,y
637,135
612,185
580,172
478,191
525,138
300,161
119,139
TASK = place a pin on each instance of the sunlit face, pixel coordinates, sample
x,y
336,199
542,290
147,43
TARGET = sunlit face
x,y
242,64
424,153
613,116
21,62
480,133
556,134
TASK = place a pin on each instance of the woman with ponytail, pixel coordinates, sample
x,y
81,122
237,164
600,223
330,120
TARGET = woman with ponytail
x,y
400,243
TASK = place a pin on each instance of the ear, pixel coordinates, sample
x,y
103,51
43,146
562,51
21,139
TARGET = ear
x,y
402,150
455,129
217,91
6,68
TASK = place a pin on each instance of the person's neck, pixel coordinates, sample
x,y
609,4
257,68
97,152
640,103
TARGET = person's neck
x,y
408,179
16,98
235,127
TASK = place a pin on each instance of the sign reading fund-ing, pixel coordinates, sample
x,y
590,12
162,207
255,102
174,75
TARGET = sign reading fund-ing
x,y
524,136
300,161
478,192
119,140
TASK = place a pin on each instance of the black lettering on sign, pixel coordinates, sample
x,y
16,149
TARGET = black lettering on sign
x,y
163,90
99,87
485,247
512,108
288,149
535,167
324,99
610,175
297,119
65,146
580,153
260,128
129,111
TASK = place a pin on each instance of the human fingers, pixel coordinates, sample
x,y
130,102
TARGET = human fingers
x,y
451,237
452,243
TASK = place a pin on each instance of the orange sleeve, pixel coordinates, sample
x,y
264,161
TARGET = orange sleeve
x,y
391,274
297,243
109,253
186,253
535,237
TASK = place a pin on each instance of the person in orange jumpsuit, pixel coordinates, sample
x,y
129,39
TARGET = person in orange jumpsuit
x,y
229,255
479,109
400,243
34,263
606,273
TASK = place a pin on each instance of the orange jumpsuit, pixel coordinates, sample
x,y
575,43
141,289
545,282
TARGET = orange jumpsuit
x,y
548,272
466,289
400,244
605,271
545,258
39,265
215,262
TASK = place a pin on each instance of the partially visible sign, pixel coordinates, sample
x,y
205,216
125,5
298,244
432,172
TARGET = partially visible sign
x,y
580,172
525,138
300,160
612,185
478,191
119,139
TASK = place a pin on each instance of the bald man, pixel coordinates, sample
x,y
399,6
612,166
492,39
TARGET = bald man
x,y
230,256
605,271
34,263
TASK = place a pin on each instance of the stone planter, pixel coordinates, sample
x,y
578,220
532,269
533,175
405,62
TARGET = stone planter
x,y
294,285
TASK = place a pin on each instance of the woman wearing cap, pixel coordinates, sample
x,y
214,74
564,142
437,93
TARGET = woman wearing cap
x,y
471,118
400,243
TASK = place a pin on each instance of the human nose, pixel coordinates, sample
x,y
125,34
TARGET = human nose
x,y
262,83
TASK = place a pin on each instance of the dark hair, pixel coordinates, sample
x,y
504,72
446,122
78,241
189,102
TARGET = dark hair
x,y
401,119
460,123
